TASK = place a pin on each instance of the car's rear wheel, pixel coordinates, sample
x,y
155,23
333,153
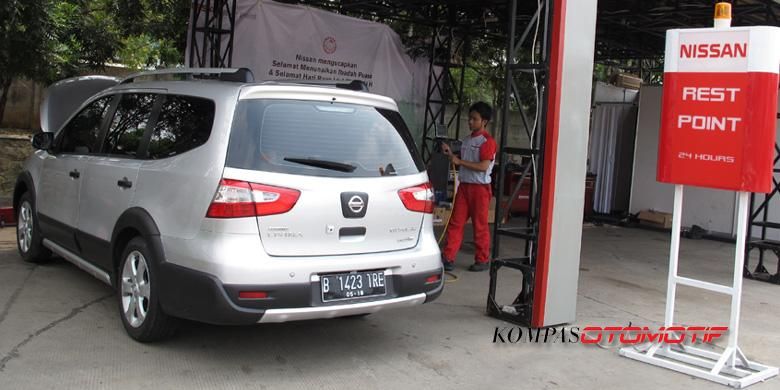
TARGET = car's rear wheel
x,y
138,296
28,236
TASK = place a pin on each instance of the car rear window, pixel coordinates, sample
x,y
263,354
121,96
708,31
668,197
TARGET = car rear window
x,y
321,139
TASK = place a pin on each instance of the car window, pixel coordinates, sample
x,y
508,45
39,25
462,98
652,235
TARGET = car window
x,y
129,124
184,123
80,135
321,139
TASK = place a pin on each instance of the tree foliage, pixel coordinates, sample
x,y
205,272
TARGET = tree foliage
x,y
84,36
51,39
48,40
135,33
154,32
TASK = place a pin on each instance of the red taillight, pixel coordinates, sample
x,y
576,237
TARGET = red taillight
x,y
433,279
270,200
418,198
237,199
232,200
252,295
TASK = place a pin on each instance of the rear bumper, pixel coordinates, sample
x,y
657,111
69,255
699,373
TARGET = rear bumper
x,y
308,313
199,296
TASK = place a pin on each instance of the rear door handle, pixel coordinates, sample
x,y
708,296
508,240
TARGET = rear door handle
x,y
352,231
74,174
124,183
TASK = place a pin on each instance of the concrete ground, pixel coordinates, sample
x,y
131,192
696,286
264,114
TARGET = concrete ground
x,y
59,328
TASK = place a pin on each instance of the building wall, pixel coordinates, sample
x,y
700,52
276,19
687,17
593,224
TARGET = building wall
x,y
14,148
22,111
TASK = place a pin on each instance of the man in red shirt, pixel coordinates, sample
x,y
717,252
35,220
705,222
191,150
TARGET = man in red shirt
x,y
477,157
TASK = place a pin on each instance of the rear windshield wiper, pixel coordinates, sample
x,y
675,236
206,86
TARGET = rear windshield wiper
x,y
325,164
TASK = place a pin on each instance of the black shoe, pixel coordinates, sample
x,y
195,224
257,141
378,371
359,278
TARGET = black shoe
x,y
479,267
448,265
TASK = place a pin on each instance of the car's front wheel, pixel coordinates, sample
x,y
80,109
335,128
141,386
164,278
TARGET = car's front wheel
x,y
138,296
28,235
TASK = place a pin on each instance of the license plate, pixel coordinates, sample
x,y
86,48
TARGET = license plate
x,y
352,285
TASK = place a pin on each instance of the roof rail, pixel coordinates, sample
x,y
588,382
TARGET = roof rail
x,y
354,85
242,75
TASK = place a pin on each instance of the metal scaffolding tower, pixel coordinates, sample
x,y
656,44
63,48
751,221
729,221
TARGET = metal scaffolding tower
x,y
446,73
526,58
211,40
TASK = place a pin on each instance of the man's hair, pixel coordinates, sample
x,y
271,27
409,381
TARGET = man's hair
x,y
483,109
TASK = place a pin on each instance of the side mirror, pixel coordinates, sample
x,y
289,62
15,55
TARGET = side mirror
x,y
43,140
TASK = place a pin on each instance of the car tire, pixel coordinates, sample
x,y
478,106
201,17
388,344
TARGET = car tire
x,y
29,240
138,294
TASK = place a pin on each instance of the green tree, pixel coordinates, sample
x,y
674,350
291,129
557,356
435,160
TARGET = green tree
x,y
135,33
84,36
48,40
154,32
24,42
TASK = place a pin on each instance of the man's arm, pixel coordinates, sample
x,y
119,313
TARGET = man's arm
x,y
481,166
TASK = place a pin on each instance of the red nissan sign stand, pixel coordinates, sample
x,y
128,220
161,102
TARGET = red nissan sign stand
x,y
717,131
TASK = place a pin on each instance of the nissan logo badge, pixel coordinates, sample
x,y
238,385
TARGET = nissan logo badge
x,y
356,204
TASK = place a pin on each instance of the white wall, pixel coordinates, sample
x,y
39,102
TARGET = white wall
x,y
607,93
711,209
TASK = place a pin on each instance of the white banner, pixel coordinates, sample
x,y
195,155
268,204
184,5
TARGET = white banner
x,y
290,42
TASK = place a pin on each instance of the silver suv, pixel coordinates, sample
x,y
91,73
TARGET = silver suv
x,y
226,201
